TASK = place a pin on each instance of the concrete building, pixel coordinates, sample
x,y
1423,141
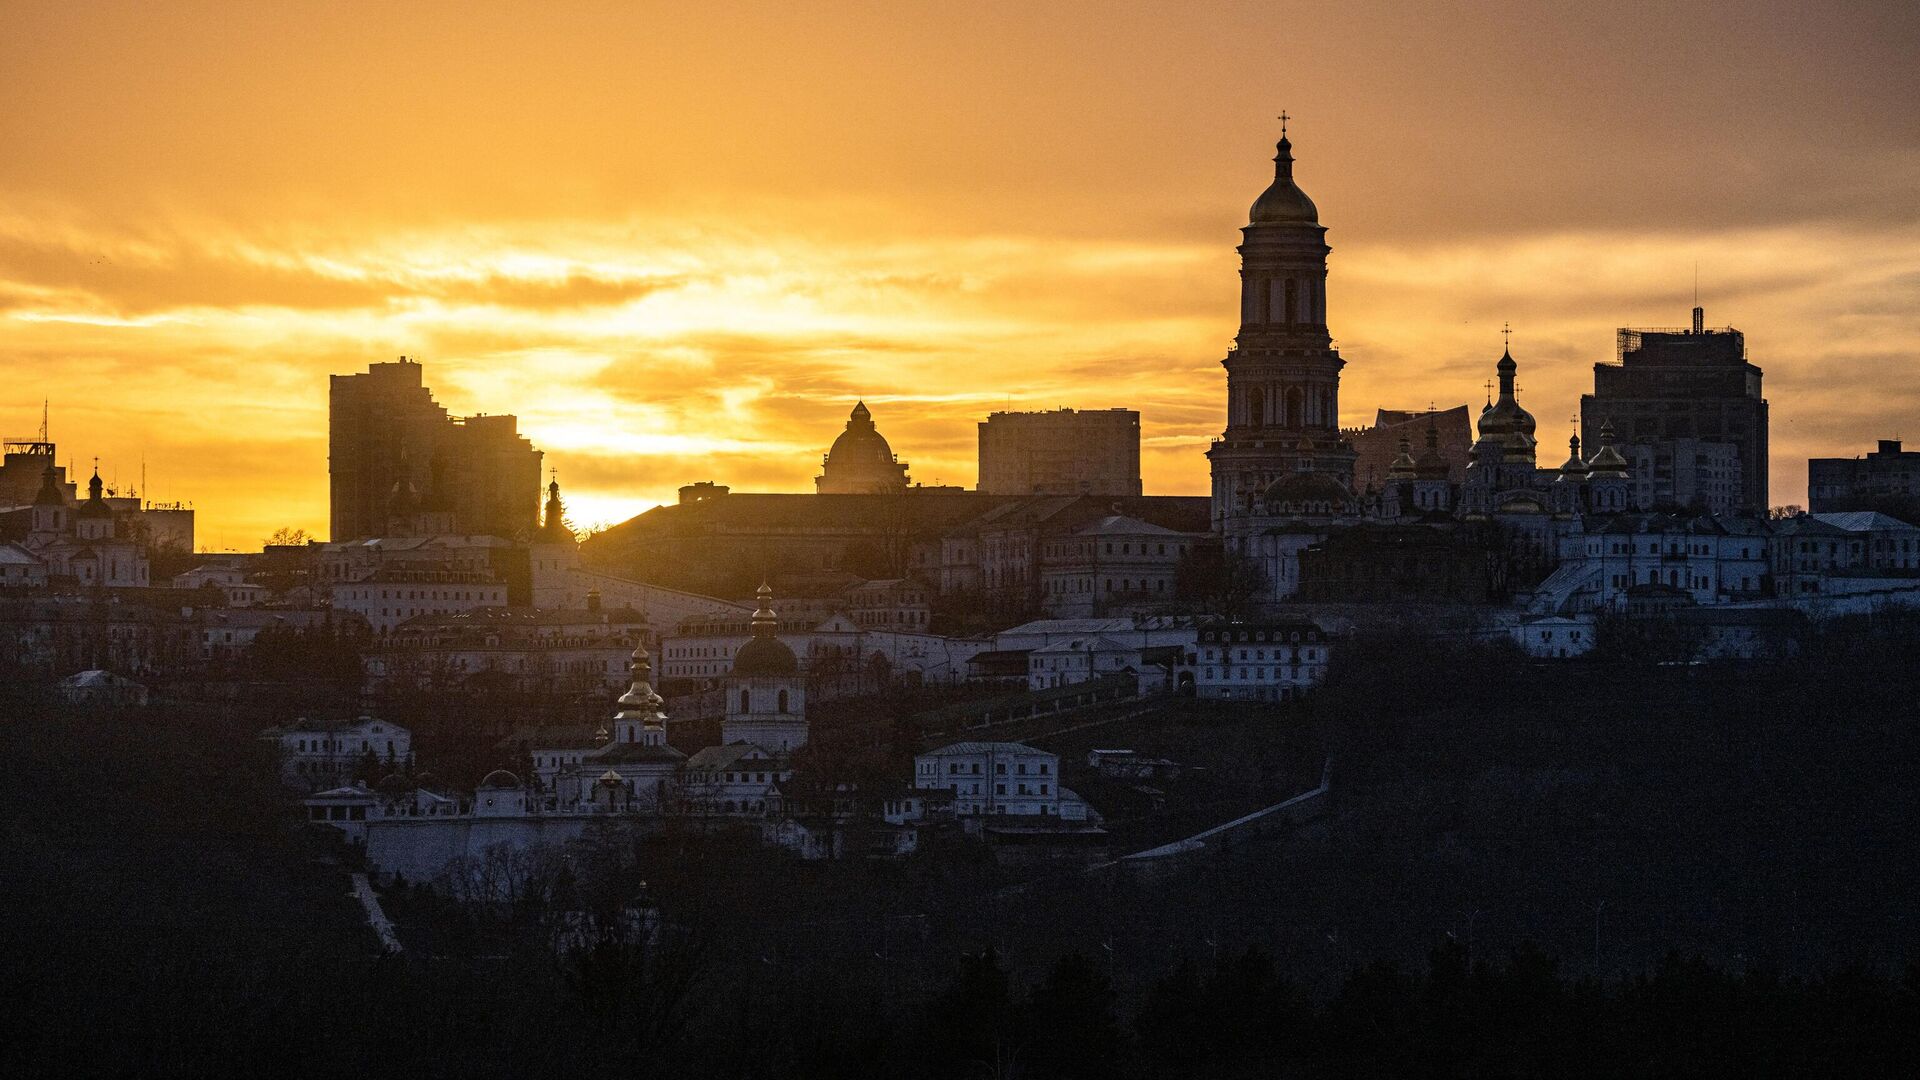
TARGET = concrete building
x,y
1266,661
315,755
399,464
1703,560
997,778
1885,478
1114,565
860,462
507,650
391,597
1672,384
1555,637
1064,452
1697,475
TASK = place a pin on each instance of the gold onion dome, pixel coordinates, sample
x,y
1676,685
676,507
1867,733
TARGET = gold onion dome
x,y
1574,468
1283,203
1504,421
640,697
1608,462
1403,466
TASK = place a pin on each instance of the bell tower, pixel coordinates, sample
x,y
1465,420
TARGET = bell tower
x,y
1283,374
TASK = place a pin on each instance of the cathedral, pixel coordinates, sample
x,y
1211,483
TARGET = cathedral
x,y
860,462
1285,495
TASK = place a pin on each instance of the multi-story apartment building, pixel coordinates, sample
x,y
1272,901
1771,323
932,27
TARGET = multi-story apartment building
x,y
1064,452
1884,476
1674,384
993,778
395,457
1266,661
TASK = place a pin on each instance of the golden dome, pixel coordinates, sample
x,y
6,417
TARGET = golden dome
x,y
1283,203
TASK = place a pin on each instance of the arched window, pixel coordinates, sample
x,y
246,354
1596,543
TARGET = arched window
x,y
746,702
1263,292
783,701
1291,312
1296,407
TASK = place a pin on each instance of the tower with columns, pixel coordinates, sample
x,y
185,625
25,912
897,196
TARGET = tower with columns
x,y
1283,373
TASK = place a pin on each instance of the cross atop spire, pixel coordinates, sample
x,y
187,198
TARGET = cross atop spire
x,y
1283,123
1506,335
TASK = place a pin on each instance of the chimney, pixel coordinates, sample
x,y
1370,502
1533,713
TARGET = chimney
x,y
1699,319
1890,446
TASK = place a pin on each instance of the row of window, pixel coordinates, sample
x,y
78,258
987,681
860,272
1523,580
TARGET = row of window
x,y
955,768
1294,655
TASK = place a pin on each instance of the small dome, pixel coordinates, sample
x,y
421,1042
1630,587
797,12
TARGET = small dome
x,y
49,494
1607,464
765,653
500,778
1573,469
1283,203
95,506
1309,493
861,444
765,656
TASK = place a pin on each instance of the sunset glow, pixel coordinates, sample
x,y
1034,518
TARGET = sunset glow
x,y
679,253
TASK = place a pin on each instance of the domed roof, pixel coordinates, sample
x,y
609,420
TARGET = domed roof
x,y
95,506
1309,492
1283,203
1504,422
500,778
1573,470
764,653
1607,464
861,444
49,494
1402,467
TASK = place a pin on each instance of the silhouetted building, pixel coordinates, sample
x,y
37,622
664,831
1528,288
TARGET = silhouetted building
x,y
1686,474
860,461
1064,452
1283,374
1684,384
23,471
1886,478
400,465
1375,447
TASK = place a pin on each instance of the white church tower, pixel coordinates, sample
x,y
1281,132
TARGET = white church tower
x,y
766,693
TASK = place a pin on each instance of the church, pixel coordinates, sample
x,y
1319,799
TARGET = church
x,y
1284,491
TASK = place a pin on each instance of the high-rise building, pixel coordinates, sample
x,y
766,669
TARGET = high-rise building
x,y
1685,474
1676,384
399,463
1888,479
1283,373
1064,452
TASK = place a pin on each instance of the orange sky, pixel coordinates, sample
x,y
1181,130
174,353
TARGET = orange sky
x,y
679,242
